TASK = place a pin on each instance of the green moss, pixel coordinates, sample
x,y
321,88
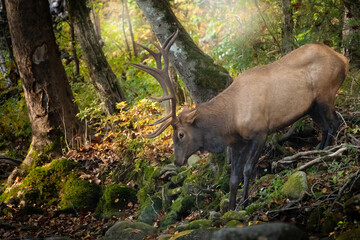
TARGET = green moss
x,y
183,205
43,156
169,219
313,220
234,215
115,198
233,223
42,184
149,210
201,223
295,185
79,194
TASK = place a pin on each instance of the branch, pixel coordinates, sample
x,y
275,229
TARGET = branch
x,y
323,158
11,161
262,17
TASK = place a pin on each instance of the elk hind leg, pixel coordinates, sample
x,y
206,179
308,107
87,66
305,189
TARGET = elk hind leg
x,y
325,117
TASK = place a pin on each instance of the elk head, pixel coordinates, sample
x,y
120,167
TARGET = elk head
x,y
186,137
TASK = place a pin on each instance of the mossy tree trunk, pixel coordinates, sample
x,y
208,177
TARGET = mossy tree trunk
x,y
202,77
48,95
101,75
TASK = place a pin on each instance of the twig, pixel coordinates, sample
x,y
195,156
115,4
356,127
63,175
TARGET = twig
x,y
350,179
320,159
152,205
262,17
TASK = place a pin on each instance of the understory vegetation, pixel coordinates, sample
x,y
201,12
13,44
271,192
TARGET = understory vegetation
x,y
114,173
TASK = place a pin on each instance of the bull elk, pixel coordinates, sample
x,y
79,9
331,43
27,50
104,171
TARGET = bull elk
x,y
259,101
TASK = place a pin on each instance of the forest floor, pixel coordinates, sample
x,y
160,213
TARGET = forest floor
x,y
332,179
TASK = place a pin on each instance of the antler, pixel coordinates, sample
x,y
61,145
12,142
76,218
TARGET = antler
x,y
162,76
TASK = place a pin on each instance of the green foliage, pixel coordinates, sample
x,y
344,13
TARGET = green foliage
x,y
79,194
14,124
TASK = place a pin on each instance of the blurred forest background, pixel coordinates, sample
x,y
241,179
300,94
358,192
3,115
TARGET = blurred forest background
x,y
103,171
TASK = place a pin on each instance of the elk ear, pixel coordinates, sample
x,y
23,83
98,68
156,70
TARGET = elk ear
x,y
190,116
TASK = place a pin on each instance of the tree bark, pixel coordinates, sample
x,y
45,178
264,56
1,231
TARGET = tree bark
x,y
202,77
48,95
73,50
97,25
287,26
351,34
130,27
101,75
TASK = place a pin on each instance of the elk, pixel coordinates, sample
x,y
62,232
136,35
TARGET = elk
x,y
260,101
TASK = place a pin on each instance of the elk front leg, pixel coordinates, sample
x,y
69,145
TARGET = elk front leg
x,y
255,148
237,166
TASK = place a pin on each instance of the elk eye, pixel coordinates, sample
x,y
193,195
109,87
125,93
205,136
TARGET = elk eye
x,y
181,135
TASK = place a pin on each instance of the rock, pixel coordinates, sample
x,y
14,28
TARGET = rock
x,y
295,186
125,230
234,215
196,224
169,219
215,218
201,223
268,231
57,238
213,215
149,211
164,237
233,223
224,205
352,207
198,234
193,159
114,199
352,234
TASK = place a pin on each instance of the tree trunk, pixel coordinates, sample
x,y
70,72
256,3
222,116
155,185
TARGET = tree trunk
x,y
101,75
287,26
130,27
351,32
73,50
48,95
97,25
201,76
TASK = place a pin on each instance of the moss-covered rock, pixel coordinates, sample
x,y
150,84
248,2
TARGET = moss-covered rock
x,y
234,215
313,221
295,185
351,234
125,230
150,210
352,207
115,198
201,223
181,234
170,218
79,194
233,223
43,184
